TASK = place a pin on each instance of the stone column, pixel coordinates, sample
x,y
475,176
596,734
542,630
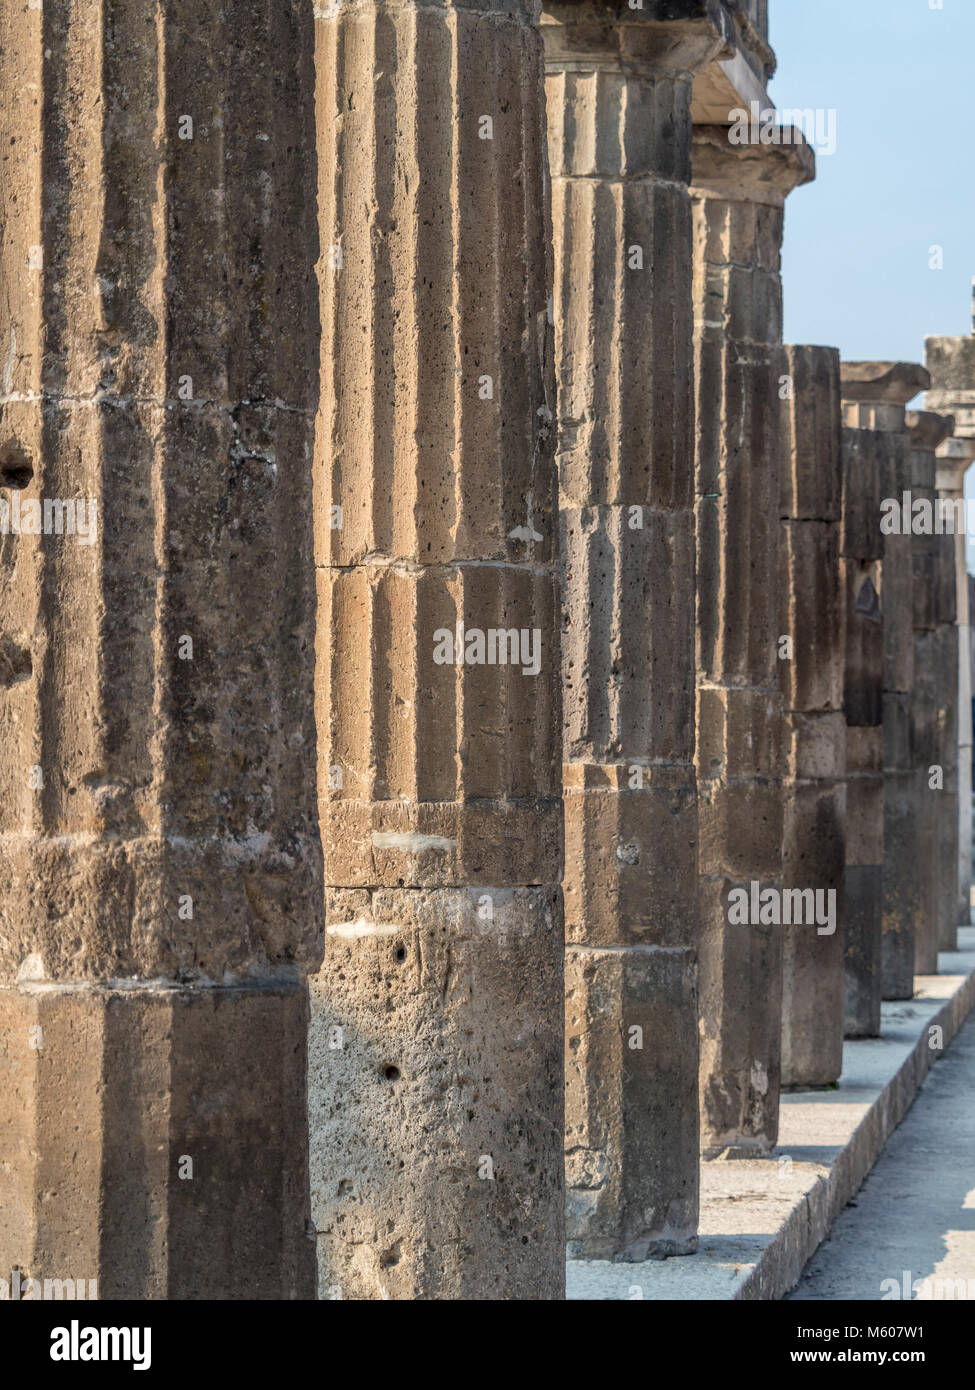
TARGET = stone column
x,y
935,700
875,396
861,577
811,670
160,865
954,458
951,362
618,94
739,194
436,1081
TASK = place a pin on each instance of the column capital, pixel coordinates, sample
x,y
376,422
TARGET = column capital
x,y
927,429
875,394
749,173
954,457
660,39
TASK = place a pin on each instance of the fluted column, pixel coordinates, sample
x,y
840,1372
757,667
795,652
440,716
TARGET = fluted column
x,y
862,580
739,194
875,395
811,671
951,362
954,457
935,699
618,94
160,866
436,1046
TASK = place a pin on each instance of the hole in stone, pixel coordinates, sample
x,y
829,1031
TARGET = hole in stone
x,y
16,469
391,1256
15,663
401,953
391,1073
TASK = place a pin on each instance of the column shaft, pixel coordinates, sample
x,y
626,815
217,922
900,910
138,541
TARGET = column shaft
x,y
951,362
437,1019
861,572
739,194
875,394
954,457
936,701
811,673
619,95
160,866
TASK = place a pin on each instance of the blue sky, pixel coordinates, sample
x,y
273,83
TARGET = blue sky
x,y
900,76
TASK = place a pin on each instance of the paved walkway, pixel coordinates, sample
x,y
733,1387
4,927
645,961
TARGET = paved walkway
x,y
914,1217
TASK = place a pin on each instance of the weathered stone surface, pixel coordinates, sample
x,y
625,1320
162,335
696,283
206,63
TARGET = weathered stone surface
x,y
739,194
812,685
811,432
954,457
814,858
435,1067
882,383
811,613
160,863
439,747
631,1022
618,93
621,827
863,889
935,704
740,985
863,881
186,1102
863,580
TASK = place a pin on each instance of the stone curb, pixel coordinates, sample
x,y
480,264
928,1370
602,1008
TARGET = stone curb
x,y
763,1219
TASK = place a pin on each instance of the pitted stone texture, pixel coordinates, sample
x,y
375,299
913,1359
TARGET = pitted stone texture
x,y
435,1078
434,221
179,403
812,684
863,890
812,614
438,693
155,1122
862,575
628,638
618,90
738,194
619,144
906,908
631,855
863,451
631,1024
863,585
935,704
161,365
414,744
811,433
953,460
740,983
814,859
951,363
